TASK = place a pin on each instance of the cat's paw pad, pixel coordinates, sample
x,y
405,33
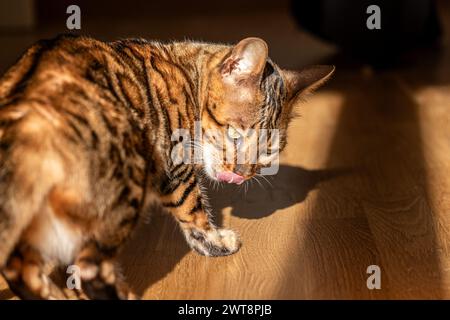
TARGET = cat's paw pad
x,y
214,242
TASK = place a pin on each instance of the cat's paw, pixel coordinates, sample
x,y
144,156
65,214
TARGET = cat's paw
x,y
214,242
101,281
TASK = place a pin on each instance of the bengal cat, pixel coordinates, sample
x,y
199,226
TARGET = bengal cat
x,y
86,140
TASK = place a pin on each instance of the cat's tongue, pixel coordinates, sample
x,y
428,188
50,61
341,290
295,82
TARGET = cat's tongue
x,y
230,177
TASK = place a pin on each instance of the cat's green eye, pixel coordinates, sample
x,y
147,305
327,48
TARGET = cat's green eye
x,y
233,133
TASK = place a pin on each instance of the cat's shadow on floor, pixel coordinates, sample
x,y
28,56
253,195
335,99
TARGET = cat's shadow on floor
x,y
291,185
157,247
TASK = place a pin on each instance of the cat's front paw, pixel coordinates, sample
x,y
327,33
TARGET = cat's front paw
x,y
214,242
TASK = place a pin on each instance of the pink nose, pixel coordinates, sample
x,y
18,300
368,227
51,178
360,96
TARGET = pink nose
x,y
230,177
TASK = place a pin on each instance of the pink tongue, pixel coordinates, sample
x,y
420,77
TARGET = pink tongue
x,y
230,177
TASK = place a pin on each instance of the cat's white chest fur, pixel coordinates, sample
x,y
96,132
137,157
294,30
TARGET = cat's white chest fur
x,y
54,238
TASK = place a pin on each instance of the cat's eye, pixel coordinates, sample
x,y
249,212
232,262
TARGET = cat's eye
x,y
233,133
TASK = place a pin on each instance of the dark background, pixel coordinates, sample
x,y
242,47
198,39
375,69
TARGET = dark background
x,y
298,32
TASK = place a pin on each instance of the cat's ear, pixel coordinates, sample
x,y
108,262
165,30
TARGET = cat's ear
x,y
305,81
246,60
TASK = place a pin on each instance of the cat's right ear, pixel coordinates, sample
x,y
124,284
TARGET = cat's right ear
x,y
246,61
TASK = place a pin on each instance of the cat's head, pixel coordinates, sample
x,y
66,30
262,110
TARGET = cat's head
x,y
249,103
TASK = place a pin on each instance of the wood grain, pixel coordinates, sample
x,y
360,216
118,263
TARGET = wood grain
x,y
365,180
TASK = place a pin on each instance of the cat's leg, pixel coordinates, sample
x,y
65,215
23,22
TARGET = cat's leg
x,y
25,275
99,273
188,206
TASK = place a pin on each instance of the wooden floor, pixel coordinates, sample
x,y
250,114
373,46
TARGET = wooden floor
x,y
365,180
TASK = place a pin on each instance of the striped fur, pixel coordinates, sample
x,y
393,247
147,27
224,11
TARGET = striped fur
x,y
85,147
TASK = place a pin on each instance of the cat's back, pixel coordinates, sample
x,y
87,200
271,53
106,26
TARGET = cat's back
x,y
58,84
47,65
49,109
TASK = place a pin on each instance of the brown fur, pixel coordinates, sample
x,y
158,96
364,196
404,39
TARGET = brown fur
x,y
85,142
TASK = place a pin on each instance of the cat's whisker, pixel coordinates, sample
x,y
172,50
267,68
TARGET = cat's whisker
x,y
175,227
210,183
262,176
257,180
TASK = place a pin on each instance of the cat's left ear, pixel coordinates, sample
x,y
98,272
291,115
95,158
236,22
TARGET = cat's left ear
x,y
246,61
305,81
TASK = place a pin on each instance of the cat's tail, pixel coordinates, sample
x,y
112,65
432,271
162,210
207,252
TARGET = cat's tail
x,y
28,170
